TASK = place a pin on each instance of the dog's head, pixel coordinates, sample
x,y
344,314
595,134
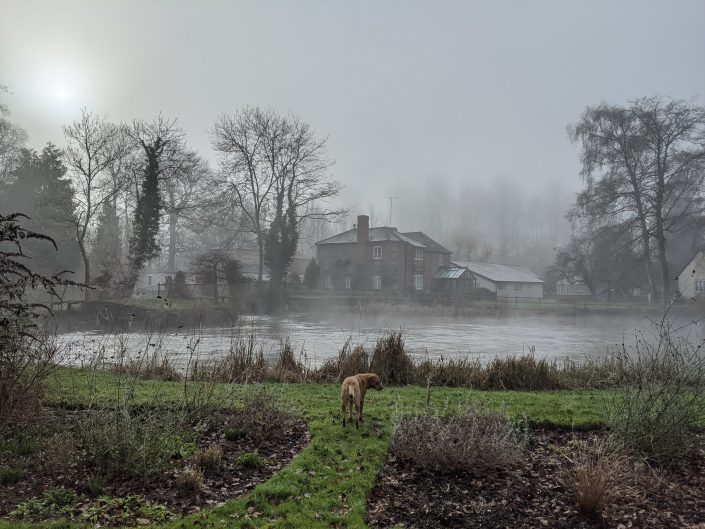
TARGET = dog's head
x,y
373,381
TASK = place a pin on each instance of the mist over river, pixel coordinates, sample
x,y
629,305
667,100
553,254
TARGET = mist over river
x,y
554,337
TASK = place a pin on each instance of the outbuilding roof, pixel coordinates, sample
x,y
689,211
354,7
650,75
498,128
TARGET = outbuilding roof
x,y
453,272
375,235
501,273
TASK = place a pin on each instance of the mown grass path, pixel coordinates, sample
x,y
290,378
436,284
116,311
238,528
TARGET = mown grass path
x,y
327,484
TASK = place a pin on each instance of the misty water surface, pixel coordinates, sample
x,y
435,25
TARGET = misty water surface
x,y
554,337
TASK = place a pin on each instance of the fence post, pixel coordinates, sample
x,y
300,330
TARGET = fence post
x,y
159,289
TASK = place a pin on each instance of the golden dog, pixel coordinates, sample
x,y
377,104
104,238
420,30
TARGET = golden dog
x,y
353,393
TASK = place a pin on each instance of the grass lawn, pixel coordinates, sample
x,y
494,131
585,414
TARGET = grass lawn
x,y
327,484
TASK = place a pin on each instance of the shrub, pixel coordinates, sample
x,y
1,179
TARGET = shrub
x,y
141,443
59,453
471,441
598,473
251,460
312,274
178,288
27,355
391,362
209,458
659,399
190,478
262,417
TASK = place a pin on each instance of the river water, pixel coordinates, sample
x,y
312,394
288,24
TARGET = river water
x,y
554,337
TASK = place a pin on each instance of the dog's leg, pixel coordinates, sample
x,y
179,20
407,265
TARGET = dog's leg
x,y
362,405
358,411
343,406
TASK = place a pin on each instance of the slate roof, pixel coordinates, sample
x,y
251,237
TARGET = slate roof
x,y
431,245
454,272
375,235
501,273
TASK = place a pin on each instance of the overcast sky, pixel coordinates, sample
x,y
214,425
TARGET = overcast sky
x,y
462,91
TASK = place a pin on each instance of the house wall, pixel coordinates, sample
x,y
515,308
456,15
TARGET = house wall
x,y
695,271
528,290
338,260
483,282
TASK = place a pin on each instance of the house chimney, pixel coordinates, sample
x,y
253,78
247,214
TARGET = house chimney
x,y
363,237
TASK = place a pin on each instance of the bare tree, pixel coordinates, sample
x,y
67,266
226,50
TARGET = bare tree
x,y
12,140
186,187
276,169
643,169
93,146
239,139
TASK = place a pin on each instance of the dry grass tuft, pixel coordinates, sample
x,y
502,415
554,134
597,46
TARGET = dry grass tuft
x,y
599,473
209,458
190,478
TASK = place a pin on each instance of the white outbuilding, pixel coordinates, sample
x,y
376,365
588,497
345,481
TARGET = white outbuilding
x,y
691,280
507,281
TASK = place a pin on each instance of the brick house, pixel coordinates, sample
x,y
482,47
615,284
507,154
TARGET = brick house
x,y
380,258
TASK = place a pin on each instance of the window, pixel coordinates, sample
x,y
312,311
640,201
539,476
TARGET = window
x,y
418,254
395,256
418,281
327,282
440,259
700,285
376,282
517,288
500,286
149,281
348,282
376,252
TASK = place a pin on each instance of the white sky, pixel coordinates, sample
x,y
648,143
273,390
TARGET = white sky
x,y
462,91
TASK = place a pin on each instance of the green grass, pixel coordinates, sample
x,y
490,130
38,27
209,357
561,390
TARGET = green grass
x,y
327,484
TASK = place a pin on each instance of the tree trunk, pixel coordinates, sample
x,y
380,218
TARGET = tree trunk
x,y
260,245
86,268
172,243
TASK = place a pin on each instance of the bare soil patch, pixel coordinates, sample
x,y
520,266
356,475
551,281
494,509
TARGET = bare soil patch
x,y
672,494
231,477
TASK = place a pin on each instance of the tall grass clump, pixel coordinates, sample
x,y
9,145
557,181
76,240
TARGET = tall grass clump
x,y
523,373
598,473
660,396
288,368
349,361
244,362
391,362
472,441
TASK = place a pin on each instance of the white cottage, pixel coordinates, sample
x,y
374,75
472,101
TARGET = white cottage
x,y
507,281
691,280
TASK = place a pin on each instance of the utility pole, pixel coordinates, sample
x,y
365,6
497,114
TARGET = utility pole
x,y
390,209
